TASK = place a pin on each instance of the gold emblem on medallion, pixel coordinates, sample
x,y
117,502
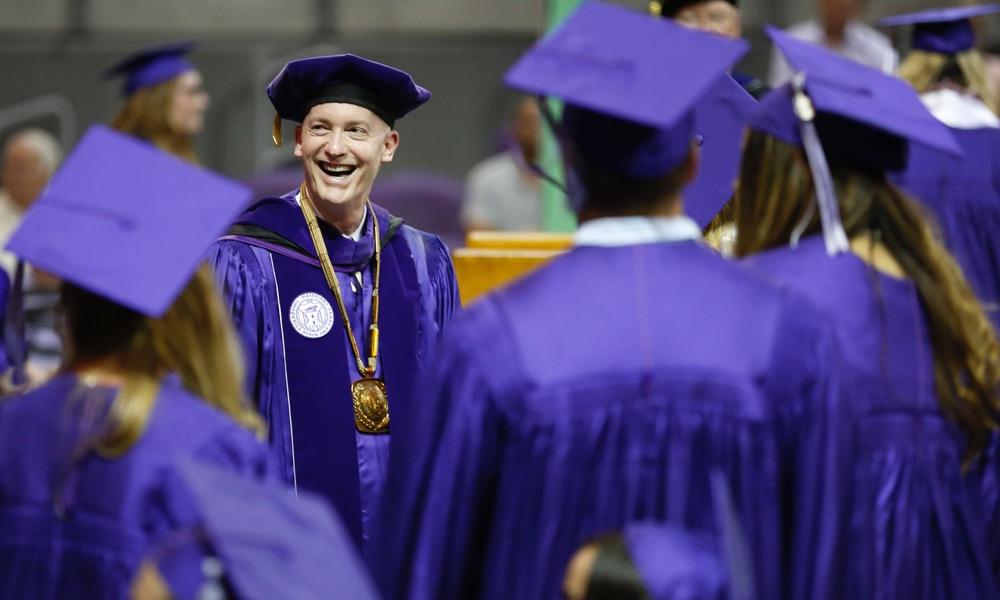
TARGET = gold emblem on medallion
x,y
371,406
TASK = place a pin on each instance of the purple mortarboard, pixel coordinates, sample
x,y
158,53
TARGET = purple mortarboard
x,y
270,542
719,120
302,84
676,564
943,30
125,220
152,66
629,100
847,113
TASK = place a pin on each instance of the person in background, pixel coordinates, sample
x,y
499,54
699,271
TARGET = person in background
x,y
338,303
840,30
30,157
610,384
151,377
962,193
921,361
501,193
721,17
165,101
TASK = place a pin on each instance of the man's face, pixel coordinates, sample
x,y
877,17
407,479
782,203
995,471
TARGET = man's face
x,y
835,14
342,147
24,175
715,16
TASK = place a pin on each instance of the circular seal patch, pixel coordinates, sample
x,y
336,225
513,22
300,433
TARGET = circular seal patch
x,y
311,315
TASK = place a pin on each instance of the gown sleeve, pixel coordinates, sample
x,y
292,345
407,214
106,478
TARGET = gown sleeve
x,y
440,479
441,273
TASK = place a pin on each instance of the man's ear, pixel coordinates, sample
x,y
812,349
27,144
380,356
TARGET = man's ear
x,y
298,141
389,146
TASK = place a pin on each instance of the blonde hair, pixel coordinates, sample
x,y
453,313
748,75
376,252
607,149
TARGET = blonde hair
x,y
775,192
194,339
146,115
923,70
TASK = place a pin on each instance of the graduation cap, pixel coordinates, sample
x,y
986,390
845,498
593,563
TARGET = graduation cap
x,y
944,30
152,66
302,84
127,221
840,111
270,542
676,564
629,101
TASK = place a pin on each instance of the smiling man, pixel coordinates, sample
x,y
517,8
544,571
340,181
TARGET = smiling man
x,y
315,279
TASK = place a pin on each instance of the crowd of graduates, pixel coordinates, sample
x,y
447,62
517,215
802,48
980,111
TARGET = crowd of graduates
x,y
767,367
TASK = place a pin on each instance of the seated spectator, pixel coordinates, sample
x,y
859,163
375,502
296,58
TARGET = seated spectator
x,y
500,192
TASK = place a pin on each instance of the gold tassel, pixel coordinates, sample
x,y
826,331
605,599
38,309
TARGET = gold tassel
x,y
276,130
656,8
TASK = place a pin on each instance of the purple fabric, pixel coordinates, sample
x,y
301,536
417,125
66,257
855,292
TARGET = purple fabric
x,y
87,226
943,30
914,531
152,66
850,90
92,546
675,564
720,118
963,195
622,63
294,90
298,381
272,543
605,388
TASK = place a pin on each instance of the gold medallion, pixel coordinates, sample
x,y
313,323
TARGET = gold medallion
x,y
371,405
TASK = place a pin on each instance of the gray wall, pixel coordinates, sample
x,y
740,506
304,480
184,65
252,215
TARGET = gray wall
x,y
457,48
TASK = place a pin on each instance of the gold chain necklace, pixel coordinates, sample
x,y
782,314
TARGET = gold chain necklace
x,y
371,402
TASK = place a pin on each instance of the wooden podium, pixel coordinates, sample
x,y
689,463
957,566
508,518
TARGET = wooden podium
x,y
491,259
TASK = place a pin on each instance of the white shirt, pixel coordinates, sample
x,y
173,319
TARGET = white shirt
x,y
958,110
862,43
610,232
500,195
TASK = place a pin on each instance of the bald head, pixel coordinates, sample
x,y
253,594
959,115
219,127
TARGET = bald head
x,y
30,157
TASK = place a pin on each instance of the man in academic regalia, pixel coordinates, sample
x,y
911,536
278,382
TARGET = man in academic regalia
x,y
608,385
337,301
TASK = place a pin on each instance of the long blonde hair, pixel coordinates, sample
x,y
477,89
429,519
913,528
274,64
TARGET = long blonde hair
x,y
775,192
923,70
145,114
193,339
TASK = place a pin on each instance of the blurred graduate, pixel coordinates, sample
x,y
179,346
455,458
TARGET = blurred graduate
x,y
921,362
164,98
605,386
962,192
337,302
151,376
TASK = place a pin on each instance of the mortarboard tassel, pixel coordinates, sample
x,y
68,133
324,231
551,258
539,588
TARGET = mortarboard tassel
x,y
276,130
656,8
826,196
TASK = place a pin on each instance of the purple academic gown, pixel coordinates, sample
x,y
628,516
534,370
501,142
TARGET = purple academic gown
x,y
74,524
963,194
916,531
601,389
301,384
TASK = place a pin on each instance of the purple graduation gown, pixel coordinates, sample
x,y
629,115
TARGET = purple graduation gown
x,y
79,528
915,530
301,384
963,194
601,389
